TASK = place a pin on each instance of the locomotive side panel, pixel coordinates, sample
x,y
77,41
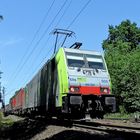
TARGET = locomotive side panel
x,y
33,92
62,77
50,81
44,86
30,96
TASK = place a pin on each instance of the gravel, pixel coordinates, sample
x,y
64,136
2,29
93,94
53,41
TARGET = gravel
x,y
62,133
42,129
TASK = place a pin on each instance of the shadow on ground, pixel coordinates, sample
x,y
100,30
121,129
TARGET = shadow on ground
x,y
28,128
24,129
80,135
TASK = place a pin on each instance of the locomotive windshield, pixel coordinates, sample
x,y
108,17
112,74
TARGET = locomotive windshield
x,y
85,60
75,60
96,65
95,61
76,63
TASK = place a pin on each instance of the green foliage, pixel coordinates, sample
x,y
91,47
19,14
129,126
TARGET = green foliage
x,y
125,32
4,122
122,109
118,115
1,17
122,54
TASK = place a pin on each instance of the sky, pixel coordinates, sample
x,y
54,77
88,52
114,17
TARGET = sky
x,y
26,39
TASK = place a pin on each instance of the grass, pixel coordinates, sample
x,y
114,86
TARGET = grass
x,y
117,115
122,115
4,122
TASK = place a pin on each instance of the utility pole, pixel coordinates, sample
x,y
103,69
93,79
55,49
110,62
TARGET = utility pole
x,y
0,88
3,99
0,93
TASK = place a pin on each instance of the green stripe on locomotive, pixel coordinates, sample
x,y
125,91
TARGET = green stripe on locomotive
x,y
61,63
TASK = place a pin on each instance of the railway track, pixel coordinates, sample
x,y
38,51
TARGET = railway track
x,y
102,125
94,129
121,130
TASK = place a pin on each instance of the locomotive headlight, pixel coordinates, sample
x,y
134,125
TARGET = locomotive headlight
x,y
104,90
74,89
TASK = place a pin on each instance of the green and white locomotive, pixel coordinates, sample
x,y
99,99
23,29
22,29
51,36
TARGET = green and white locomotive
x,y
74,83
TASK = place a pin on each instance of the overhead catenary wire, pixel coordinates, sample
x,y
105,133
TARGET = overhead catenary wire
x,y
22,61
42,48
79,13
74,19
30,54
65,10
39,65
44,33
34,71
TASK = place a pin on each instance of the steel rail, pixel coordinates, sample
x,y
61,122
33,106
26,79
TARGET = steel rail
x,y
111,128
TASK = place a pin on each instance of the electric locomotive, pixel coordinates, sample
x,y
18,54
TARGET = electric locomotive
x,y
74,83
83,83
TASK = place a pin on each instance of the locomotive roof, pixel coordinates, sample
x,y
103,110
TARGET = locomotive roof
x,y
82,51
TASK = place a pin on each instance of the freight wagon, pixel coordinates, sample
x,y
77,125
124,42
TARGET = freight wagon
x,y
73,83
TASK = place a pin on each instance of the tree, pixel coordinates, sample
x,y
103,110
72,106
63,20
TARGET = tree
x,y
126,32
122,54
1,17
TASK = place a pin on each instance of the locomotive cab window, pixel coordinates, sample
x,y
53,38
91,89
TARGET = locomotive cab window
x,y
95,62
76,63
75,60
96,65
